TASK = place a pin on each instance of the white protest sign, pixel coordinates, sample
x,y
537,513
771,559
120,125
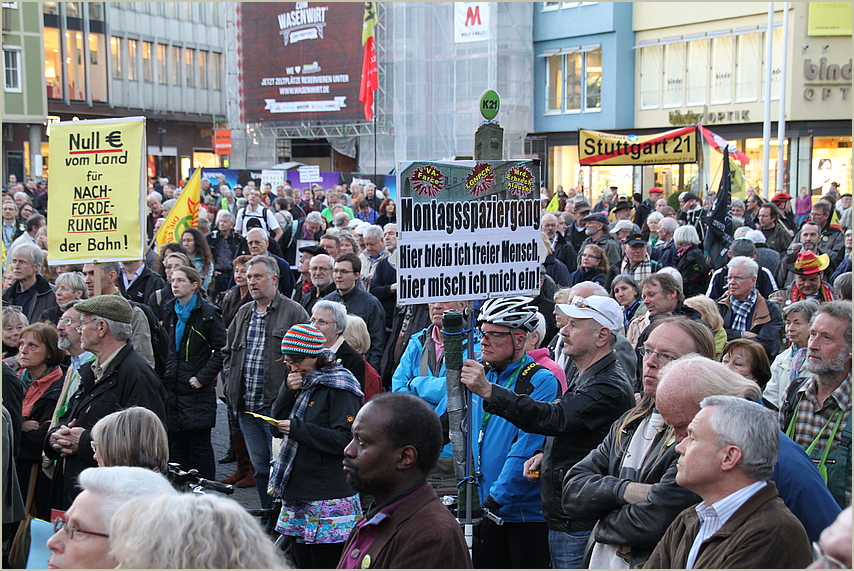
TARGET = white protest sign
x,y
468,230
274,177
310,174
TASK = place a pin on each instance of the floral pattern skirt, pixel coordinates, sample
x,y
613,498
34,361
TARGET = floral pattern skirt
x,y
320,521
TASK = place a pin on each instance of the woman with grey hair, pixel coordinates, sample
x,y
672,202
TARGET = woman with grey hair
x,y
690,261
791,363
70,286
189,531
330,317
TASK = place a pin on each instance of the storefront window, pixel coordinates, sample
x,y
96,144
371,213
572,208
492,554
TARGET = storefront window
x,y
651,77
831,162
52,63
674,72
748,66
697,83
554,85
722,63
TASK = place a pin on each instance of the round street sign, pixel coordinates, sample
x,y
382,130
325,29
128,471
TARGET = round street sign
x,y
489,104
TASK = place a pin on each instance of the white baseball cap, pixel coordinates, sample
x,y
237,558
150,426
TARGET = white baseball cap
x,y
603,310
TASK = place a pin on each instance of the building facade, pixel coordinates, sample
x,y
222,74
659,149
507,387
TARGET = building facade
x,y
163,61
706,64
24,95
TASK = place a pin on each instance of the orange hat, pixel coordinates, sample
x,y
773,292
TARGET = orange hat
x,y
808,263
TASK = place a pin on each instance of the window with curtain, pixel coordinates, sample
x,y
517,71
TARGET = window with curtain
x,y
147,64
161,64
554,83
651,74
574,81
189,59
116,52
697,73
674,74
748,65
593,69
203,69
132,73
722,70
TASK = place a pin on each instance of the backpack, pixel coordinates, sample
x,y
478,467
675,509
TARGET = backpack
x,y
159,338
262,218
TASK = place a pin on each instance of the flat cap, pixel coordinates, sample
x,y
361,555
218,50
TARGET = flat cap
x,y
110,306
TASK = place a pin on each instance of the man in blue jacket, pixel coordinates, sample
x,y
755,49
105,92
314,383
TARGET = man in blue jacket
x,y
522,541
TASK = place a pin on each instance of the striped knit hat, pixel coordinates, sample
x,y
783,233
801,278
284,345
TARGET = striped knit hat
x,y
303,339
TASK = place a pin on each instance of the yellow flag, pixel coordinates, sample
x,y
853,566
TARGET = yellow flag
x,y
369,21
184,214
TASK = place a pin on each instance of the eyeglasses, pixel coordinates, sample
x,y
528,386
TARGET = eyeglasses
x,y
493,336
647,352
60,523
341,271
19,263
294,361
64,321
320,322
79,328
581,303
832,562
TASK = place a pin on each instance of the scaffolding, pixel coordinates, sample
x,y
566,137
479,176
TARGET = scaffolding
x,y
426,106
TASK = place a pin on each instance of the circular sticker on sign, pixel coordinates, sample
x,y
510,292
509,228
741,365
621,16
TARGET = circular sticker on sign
x,y
489,104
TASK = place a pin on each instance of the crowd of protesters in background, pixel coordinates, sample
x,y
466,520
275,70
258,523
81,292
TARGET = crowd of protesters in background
x,y
283,303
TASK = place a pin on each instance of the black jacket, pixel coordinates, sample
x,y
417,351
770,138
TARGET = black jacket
x,y
352,361
322,435
142,287
361,303
594,487
44,298
574,425
216,241
128,381
201,357
565,252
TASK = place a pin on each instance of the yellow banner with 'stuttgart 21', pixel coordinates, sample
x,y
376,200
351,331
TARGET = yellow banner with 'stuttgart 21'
x,y
677,146
97,191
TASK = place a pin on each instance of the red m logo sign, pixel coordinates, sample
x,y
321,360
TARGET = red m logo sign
x,y
473,16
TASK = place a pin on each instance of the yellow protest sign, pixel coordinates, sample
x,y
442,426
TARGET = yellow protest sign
x,y
676,146
97,191
184,214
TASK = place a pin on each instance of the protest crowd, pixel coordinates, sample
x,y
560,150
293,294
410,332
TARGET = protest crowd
x,y
657,404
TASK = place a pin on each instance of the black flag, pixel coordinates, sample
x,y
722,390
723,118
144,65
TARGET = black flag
x,y
719,236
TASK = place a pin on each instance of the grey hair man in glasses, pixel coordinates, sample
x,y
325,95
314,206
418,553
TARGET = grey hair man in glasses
x,y
80,540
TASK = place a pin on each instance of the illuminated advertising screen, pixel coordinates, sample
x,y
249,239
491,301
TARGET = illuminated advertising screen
x,y
302,61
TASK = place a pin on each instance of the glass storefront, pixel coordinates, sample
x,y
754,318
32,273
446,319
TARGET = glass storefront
x,y
831,162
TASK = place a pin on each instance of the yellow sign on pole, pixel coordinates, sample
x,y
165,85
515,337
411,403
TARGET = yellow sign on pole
x,y
97,191
670,147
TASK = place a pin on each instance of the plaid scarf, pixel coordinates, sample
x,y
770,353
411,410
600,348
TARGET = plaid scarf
x,y
334,376
641,271
742,311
